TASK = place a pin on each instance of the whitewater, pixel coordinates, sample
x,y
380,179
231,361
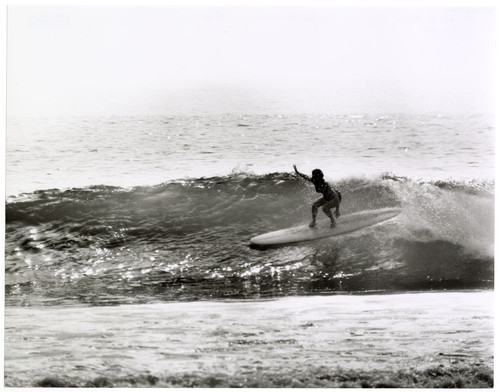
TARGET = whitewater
x,y
157,211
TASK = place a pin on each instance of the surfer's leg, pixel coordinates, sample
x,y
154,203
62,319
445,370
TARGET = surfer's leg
x,y
327,209
315,207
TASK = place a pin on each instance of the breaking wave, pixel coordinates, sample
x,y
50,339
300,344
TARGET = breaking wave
x,y
189,240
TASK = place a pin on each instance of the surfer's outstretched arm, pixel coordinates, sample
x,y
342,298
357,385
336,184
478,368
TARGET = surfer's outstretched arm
x,y
300,174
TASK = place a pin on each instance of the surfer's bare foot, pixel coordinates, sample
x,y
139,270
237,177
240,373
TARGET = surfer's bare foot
x,y
312,225
332,225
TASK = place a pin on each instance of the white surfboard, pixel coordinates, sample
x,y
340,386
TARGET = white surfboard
x,y
345,224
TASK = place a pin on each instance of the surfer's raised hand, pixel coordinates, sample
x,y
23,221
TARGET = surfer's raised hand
x,y
300,174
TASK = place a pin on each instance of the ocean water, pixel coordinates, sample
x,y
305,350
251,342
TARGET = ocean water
x,y
307,341
114,210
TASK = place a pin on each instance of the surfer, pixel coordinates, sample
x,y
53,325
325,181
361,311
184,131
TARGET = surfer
x,y
331,197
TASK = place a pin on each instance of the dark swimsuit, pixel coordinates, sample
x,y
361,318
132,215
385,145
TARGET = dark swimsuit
x,y
323,187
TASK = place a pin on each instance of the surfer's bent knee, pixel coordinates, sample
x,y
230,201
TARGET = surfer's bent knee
x,y
330,205
318,204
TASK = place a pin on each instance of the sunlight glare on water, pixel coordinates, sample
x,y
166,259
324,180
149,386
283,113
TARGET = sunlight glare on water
x,y
64,154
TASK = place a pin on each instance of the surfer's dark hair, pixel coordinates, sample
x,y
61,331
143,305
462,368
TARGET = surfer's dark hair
x,y
316,173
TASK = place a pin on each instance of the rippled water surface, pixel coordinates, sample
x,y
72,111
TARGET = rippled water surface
x,y
132,210
124,151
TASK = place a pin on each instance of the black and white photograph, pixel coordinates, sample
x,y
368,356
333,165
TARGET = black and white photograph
x,y
249,195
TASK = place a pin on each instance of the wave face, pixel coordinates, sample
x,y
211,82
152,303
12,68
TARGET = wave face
x,y
189,240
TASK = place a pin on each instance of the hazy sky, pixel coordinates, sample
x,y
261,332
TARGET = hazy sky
x,y
165,60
